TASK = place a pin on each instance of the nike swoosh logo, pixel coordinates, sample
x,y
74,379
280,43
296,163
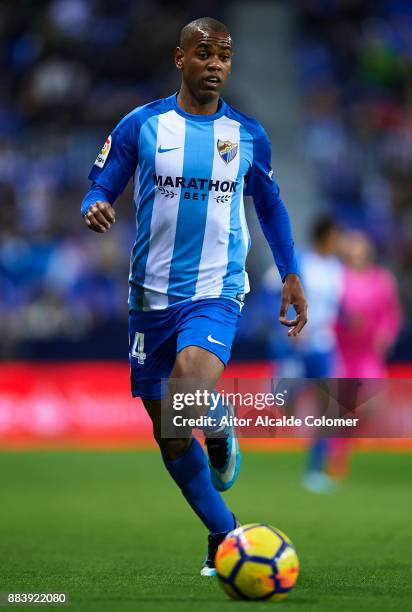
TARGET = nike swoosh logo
x,y
214,341
161,150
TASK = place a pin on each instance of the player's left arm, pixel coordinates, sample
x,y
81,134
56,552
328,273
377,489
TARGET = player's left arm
x,y
276,226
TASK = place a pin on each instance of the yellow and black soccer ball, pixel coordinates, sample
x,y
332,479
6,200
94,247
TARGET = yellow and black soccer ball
x,y
257,562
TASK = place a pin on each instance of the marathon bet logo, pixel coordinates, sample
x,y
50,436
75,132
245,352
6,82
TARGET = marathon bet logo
x,y
195,188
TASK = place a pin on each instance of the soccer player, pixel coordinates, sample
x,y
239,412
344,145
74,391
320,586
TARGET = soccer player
x,y
322,277
192,158
313,353
367,326
370,320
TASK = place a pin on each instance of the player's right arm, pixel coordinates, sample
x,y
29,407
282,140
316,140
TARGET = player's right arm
x,y
110,174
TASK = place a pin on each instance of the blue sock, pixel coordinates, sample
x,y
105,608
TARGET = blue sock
x,y
318,455
215,413
191,473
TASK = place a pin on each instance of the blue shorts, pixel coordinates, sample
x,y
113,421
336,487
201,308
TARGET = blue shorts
x,y
318,364
155,338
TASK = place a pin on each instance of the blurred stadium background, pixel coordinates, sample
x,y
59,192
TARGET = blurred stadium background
x,y
329,79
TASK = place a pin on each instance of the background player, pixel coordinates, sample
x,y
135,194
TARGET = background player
x,y
369,321
367,327
316,349
192,157
313,353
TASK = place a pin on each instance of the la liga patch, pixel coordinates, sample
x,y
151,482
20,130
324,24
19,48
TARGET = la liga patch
x,y
101,158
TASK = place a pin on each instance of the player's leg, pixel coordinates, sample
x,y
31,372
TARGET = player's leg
x,y
319,365
192,364
335,452
203,368
184,457
348,395
153,354
152,337
211,325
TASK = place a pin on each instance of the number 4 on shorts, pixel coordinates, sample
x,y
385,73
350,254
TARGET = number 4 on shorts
x,y
138,348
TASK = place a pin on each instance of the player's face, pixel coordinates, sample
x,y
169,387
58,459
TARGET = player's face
x,y
205,64
359,251
332,242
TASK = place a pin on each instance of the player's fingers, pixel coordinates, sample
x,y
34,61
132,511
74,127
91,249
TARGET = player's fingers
x,y
101,219
288,322
284,307
107,210
301,321
109,214
93,223
295,331
96,227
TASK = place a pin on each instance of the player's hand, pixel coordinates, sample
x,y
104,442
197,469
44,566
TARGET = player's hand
x,y
292,293
100,216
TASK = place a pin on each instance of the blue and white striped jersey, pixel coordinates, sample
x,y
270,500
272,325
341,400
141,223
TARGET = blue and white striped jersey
x,y
190,173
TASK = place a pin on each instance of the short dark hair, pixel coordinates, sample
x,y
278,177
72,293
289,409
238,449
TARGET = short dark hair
x,y
203,23
322,227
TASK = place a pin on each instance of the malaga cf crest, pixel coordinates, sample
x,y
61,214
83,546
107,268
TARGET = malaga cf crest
x,y
227,150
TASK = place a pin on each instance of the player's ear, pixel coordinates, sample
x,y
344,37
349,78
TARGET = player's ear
x,y
179,55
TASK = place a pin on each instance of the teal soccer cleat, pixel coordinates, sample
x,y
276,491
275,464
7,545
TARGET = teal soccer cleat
x,y
224,455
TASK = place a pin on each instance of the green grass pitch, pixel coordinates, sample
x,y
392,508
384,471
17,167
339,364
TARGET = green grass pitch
x,y
112,530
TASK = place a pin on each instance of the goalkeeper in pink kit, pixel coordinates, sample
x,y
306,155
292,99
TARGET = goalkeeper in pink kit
x,y
370,315
367,327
